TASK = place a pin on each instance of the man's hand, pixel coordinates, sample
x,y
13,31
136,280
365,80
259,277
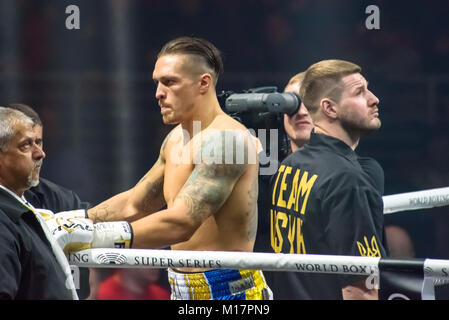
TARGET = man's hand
x,y
359,291
75,234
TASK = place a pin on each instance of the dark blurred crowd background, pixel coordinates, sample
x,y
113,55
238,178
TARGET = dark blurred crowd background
x,y
94,91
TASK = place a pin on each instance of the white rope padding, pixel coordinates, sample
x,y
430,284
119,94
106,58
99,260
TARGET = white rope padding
x,y
436,269
310,263
416,200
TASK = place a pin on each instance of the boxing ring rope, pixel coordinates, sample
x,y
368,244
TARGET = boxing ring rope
x,y
416,200
148,258
435,269
310,263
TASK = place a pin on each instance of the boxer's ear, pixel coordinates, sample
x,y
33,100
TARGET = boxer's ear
x,y
205,83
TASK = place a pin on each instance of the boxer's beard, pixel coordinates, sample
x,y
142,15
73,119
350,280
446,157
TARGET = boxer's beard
x,y
33,177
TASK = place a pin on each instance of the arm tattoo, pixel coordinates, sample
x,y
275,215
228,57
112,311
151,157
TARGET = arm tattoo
x,y
154,190
101,214
211,182
154,197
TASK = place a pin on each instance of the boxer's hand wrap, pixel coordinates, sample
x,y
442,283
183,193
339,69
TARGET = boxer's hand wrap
x,y
112,235
75,234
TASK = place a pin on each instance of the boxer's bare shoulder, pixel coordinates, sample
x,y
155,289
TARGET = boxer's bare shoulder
x,y
214,176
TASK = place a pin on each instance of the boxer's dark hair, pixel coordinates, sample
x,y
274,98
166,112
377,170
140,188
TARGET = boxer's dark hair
x,y
198,47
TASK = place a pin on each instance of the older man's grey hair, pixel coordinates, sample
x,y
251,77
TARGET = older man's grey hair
x,y
8,119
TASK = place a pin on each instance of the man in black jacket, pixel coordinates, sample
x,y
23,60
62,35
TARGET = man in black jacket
x,y
32,265
325,199
45,194
285,285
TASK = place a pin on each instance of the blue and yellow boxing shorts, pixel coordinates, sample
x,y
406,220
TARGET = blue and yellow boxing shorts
x,y
220,284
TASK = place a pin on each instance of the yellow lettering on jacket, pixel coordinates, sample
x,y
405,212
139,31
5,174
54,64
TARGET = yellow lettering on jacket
x,y
287,224
283,224
280,170
275,231
369,249
299,192
281,201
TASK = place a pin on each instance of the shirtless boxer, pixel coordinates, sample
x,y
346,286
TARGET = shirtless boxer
x,y
211,205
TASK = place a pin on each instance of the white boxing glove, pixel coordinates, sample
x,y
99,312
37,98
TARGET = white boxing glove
x,y
72,234
45,214
48,214
80,213
75,234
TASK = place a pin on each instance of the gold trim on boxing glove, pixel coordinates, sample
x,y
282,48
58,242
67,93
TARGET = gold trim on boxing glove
x,y
76,246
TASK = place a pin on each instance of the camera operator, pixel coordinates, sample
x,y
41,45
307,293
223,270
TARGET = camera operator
x,y
298,125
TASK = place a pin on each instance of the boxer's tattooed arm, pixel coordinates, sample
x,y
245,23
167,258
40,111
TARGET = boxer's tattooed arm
x,y
146,197
148,194
154,195
215,175
153,184
101,213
